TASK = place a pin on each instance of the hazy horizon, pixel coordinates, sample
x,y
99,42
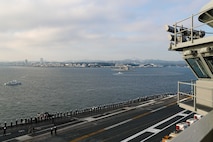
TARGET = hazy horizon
x,y
85,60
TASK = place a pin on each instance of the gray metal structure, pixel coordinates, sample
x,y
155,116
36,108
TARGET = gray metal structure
x,y
197,49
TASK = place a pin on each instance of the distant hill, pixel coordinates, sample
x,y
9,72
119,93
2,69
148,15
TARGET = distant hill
x,y
151,61
165,63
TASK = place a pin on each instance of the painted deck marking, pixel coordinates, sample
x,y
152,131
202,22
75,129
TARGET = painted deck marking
x,y
121,123
118,124
156,131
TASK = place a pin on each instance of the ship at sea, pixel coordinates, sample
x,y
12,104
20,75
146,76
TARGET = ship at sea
x,y
120,68
12,83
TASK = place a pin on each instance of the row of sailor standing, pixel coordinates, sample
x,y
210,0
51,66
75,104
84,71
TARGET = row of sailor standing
x,y
47,116
51,130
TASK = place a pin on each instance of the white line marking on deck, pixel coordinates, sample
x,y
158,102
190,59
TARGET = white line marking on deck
x,y
156,131
153,130
158,109
118,124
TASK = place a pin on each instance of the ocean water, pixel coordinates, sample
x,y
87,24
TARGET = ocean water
x,y
63,89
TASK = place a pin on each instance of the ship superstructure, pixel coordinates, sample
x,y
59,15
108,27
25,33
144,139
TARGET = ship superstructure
x,y
193,40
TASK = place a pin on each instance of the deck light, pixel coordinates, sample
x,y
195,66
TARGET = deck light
x,y
178,38
206,49
187,32
190,52
170,29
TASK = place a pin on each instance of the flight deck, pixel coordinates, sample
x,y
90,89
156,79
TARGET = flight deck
x,y
139,120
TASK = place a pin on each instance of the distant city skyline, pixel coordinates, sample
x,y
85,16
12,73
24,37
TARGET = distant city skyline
x,y
90,30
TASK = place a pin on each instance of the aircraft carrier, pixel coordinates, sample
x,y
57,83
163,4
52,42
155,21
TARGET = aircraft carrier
x,y
142,119
181,117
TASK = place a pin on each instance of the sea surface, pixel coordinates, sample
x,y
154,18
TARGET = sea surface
x,y
64,89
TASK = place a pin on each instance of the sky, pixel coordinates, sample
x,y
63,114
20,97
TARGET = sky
x,y
71,30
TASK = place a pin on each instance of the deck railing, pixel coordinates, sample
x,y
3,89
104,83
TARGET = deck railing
x,y
187,94
189,29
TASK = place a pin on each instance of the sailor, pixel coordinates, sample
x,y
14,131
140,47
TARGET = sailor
x,y
5,128
55,129
51,131
36,120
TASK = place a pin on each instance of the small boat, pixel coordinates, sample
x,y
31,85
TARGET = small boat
x,y
119,72
12,83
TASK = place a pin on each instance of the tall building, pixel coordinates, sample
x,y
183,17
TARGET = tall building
x,y
26,62
41,61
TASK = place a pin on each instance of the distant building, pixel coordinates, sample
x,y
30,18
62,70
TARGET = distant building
x,y
26,62
41,61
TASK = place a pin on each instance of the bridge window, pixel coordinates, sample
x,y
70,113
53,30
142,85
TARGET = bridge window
x,y
209,61
197,67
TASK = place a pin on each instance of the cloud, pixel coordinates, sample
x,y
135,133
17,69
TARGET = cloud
x,y
81,29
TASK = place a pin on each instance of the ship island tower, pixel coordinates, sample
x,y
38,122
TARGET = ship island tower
x,y
193,37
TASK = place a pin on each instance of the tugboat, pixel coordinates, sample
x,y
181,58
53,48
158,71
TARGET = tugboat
x,y
12,83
